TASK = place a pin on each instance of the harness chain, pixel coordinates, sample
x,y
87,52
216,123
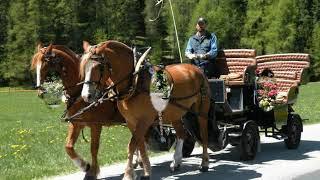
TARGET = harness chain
x,y
163,140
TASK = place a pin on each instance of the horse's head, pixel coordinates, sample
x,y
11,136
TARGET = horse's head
x,y
105,64
43,61
95,69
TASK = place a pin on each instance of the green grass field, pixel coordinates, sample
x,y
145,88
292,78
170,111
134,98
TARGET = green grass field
x,y
32,137
308,105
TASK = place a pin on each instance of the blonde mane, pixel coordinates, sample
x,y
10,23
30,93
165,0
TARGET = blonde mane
x,y
84,60
35,59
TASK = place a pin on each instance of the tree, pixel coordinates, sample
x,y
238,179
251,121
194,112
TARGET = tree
x,y
304,25
255,24
156,30
225,18
3,30
281,32
21,35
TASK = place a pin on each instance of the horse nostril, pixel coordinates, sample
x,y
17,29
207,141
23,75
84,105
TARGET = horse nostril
x,y
89,96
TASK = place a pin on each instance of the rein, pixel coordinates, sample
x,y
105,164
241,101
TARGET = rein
x,y
102,98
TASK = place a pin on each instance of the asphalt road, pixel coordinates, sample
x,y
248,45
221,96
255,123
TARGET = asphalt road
x,y
272,163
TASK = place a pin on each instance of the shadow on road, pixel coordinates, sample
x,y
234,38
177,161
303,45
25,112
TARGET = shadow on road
x,y
273,151
226,164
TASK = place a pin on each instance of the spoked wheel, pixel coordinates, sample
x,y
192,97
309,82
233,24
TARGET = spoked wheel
x,y
294,129
249,141
188,146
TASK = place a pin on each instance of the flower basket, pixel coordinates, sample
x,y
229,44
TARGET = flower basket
x,y
266,92
53,92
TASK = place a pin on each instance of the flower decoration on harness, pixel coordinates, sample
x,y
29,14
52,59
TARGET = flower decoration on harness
x,y
266,92
53,92
160,84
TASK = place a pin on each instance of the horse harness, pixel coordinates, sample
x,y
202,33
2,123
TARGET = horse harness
x,y
132,88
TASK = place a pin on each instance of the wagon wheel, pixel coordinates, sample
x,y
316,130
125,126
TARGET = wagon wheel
x,y
249,141
188,146
293,131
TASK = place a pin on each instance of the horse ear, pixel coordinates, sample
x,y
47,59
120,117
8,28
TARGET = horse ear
x,y
49,49
39,46
85,46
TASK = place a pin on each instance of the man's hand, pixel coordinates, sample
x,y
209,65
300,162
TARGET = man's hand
x,y
197,56
202,56
191,56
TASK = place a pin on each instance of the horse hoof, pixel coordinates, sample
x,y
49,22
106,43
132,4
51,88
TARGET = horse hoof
x,y
145,178
87,167
89,177
174,169
204,168
135,165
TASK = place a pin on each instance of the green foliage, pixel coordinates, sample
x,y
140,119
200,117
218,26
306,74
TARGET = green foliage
x,y
253,35
269,26
156,29
21,34
3,28
225,19
280,35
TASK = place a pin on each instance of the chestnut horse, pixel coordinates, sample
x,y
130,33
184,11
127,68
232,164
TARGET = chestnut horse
x,y
190,91
66,63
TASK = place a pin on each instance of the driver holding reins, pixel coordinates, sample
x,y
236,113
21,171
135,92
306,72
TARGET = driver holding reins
x,y
202,47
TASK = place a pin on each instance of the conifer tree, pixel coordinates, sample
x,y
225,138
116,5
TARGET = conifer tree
x,y
253,35
3,31
21,37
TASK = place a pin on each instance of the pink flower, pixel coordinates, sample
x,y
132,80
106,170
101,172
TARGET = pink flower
x,y
272,93
260,92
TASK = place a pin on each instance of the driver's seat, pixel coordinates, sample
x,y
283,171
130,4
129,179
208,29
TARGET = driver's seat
x,y
236,66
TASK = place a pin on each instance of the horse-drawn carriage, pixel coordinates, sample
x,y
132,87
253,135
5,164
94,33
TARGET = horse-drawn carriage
x,y
237,111
231,114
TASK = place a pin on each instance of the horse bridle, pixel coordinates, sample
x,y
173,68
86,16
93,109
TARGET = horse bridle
x,y
53,60
103,63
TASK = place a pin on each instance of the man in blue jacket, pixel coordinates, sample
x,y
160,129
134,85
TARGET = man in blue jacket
x,y
202,47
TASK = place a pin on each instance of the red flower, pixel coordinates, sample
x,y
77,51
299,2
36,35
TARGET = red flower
x,y
273,93
257,72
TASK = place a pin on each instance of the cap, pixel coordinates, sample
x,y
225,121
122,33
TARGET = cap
x,y
202,20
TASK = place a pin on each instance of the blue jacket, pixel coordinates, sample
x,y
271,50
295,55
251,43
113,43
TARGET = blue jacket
x,y
203,45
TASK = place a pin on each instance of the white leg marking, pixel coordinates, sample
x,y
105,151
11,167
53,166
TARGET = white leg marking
x,y
177,156
80,163
38,73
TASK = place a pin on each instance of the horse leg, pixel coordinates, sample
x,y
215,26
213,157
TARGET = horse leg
x,y
137,159
73,134
177,156
145,160
95,142
129,172
203,124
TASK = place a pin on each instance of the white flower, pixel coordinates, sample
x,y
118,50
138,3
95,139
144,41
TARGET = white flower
x,y
53,92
